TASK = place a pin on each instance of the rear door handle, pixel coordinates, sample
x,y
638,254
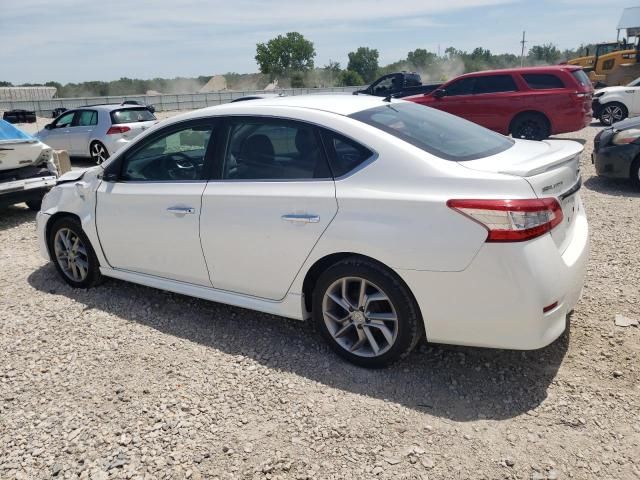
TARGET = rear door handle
x,y
301,218
182,210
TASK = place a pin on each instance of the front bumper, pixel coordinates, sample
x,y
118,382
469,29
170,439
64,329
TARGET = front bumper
x,y
613,161
498,300
18,191
41,225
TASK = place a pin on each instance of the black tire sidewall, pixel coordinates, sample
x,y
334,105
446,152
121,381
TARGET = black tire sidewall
x,y
410,327
543,125
94,276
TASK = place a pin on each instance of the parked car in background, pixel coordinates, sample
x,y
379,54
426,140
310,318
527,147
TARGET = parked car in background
x,y
151,108
381,220
97,131
27,170
19,116
616,151
398,85
614,104
531,103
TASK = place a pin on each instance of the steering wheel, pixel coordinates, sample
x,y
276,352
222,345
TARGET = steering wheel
x,y
179,166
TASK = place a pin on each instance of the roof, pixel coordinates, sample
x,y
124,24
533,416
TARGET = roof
x,y
110,107
333,103
630,18
544,68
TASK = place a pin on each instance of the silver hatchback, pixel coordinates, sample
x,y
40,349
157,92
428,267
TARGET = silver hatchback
x,y
96,131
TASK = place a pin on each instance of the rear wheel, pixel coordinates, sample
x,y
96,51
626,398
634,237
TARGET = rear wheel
x,y
530,126
72,254
34,203
613,112
365,313
99,152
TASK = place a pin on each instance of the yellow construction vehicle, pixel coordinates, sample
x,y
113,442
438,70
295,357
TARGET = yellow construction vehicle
x,y
615,63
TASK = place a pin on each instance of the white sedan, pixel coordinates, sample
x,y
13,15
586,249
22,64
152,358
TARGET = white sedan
x,y
383,221
614,104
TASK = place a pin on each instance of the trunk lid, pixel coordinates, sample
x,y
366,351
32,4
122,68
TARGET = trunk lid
x,y
552,169
135,128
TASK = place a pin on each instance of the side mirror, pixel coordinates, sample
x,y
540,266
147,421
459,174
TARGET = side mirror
x,y
440,93
48,126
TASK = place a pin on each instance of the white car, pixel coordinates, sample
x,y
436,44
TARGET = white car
x,y
381,220
614,104
96,131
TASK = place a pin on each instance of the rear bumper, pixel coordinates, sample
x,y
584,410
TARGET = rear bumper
x,y
18,191
498,300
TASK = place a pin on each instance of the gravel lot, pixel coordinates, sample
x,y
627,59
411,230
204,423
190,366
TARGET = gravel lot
x,y
125,381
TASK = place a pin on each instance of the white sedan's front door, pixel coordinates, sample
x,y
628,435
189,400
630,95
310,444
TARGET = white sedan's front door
x,y
276,197
148,216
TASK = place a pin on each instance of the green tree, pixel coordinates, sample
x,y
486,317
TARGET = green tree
x,y
297,80
364,61
6,84
547,53
349,78
421,59
283,55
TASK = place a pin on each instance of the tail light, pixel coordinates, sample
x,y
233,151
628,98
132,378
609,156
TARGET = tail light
x,y
118,129
511,220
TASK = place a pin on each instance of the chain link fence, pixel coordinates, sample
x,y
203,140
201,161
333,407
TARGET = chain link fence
x,y
162,103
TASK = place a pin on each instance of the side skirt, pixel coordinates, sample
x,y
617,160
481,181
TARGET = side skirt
x,y
290,307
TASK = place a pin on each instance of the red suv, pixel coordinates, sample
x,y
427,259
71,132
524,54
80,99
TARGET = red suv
x,y
528,103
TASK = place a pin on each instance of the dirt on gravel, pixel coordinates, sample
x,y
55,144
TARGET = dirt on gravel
x,y
124,381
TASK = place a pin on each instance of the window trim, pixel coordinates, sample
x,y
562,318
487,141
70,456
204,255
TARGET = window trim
x,y
117,166
227,122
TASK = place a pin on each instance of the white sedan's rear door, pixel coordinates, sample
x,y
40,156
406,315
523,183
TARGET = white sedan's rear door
x,y
274,200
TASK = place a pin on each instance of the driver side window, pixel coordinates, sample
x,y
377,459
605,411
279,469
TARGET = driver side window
x,y
177,155
65,120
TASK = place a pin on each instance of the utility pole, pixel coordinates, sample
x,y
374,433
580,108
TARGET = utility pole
x,y
523,42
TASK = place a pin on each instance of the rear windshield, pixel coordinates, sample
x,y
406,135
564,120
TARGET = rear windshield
x,y
581,77
131,115
436,132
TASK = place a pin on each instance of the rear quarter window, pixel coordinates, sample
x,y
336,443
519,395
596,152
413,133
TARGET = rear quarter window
x,y
581,77
542,81
131,115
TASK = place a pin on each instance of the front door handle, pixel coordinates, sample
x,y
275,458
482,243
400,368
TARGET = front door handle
x,y
301,218
182,210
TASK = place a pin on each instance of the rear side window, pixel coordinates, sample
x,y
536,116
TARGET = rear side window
x,y
345,155
131,115
87,118
268,149
494,84
581,77
542,81
438,133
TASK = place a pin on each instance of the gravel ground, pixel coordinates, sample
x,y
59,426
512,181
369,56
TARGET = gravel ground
x,y
124,381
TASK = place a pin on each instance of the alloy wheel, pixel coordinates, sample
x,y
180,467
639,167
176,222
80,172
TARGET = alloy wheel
x,y
71,254
612,114
360,317
99,153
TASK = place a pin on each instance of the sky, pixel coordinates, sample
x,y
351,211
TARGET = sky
x,y
80,40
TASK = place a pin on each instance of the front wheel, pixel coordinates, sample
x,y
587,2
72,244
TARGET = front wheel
x,y
611,113
72,254
365,313
99,152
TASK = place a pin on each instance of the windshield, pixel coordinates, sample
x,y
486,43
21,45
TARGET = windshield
x,y
435,132
131,115
635,83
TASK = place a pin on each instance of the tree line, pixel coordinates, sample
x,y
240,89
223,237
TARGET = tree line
x,y
290,58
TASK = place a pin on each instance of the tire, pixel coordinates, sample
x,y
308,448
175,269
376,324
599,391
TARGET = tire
x,y
634,174
612,112
530,126
349,332
98,152
35,203
84,258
